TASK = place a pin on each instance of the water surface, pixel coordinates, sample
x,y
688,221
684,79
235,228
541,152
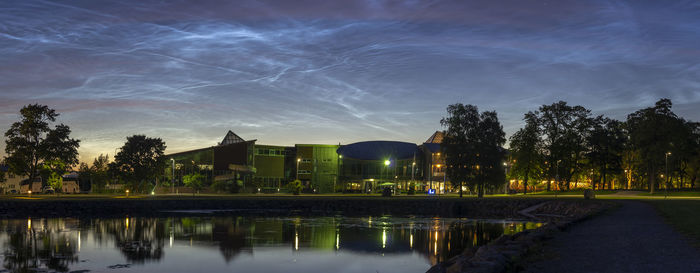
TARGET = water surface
x,y
242,243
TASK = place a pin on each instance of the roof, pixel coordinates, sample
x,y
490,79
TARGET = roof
x,y
379,150
432,147
436,137
231,138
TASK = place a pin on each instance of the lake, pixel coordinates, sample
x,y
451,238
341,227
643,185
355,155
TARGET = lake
x,y
202,243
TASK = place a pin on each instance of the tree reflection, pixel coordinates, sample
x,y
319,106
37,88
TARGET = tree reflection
x,y
140,240
42,245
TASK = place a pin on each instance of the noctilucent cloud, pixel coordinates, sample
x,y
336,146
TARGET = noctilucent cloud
x,y
318,71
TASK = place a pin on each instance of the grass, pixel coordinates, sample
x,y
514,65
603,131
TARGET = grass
x,y
684,215
573,192
673,193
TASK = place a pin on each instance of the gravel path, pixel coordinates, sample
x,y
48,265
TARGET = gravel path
x,y
631,238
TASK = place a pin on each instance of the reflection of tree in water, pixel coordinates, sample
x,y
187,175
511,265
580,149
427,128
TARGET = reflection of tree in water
x,y
42,244
231,237
140,240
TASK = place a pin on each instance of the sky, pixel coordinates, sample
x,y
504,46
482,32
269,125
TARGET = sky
x,y
318,71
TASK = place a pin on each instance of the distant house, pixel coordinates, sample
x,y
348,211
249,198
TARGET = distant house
x,y
34,186
71,183
12,181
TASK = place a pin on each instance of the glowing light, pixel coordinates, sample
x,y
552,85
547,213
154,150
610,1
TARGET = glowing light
x,y
29,223
384,238
298,159
79,242
387,162
296,241
153,193
410,241
126,221
337,241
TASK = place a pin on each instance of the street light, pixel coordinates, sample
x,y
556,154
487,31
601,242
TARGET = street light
x,y
666,180
172,185
298,160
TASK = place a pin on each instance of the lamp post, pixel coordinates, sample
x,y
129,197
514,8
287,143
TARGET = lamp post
x,y
667,177
505,186
172,185
298,160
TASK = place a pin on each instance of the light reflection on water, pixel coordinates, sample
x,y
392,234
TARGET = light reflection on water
x,y
242,243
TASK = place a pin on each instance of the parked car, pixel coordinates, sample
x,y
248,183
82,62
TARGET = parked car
x,y
48,190
12,192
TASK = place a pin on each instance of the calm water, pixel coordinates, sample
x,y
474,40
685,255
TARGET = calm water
x,y
241,244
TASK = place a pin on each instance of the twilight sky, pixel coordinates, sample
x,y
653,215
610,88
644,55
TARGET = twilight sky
x,y
319,71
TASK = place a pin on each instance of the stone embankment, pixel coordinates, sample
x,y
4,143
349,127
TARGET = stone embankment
x,y
505,208
503,254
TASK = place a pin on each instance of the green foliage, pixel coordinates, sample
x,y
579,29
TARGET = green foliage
x,y
295,187
653,132
31,141
473,147
55,169
564,129
606,143
526,152
139,162
194,181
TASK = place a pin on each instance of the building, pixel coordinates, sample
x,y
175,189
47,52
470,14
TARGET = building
x,y
274,167
231,160
70,183
434,162
370,165
317,167
12,182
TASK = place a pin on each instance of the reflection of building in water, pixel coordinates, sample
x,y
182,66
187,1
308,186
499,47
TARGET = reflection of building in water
x,y
55,244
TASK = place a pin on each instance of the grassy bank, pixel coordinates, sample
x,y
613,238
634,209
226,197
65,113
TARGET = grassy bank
x,y
684,215
573,192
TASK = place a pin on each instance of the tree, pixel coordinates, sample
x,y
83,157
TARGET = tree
x,y
564,128
54,169
526,151
606,144
99,172
194,181
31,141
139,161
650,132
473,147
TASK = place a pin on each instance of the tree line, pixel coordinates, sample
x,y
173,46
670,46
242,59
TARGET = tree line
x,y
561,144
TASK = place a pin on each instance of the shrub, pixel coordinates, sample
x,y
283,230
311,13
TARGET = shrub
x,y
386,192
294,187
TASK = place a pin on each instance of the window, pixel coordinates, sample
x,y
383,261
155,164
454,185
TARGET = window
x,y
304,172
305,160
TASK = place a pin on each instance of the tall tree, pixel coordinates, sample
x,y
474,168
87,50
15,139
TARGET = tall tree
x,y
31,141
526,151
473,147
139,161
606,143
564,128
651,134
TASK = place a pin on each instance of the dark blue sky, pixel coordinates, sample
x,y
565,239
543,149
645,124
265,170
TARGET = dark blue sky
x,y
322,71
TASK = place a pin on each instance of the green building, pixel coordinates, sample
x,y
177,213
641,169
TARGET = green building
x,y
317,167
273,167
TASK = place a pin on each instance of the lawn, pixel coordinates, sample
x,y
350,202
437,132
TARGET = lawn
x,y
573,192
673,193
684,215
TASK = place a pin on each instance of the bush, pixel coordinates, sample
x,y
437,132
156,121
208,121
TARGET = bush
x,y
588,194
294,187
386,192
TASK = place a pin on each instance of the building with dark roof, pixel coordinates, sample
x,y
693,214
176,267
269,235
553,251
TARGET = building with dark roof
x,y
370,165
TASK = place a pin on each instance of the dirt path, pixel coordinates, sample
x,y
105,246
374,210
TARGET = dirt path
x,y
631,238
